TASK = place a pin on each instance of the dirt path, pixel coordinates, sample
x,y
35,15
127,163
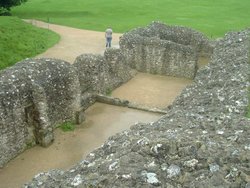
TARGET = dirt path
x,y
75,42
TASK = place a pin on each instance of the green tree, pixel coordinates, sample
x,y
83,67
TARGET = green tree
x,y
5,5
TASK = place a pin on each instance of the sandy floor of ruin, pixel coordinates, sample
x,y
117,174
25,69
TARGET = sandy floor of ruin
x,y
102,121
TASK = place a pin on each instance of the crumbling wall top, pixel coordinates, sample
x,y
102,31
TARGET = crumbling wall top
x,y
162,32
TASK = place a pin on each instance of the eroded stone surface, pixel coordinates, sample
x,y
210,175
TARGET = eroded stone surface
x,y
202,141
101,74
165,50
35,95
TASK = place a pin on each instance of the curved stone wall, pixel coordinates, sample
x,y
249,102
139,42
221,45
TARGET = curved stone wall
x,y
165,50
35,95
38,94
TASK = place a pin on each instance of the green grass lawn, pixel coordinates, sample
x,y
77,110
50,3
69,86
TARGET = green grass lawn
x,y
212,17
19,40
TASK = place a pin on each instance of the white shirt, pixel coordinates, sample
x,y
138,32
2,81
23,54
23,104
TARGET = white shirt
x,y
108,33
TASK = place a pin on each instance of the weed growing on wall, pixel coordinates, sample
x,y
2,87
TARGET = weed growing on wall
x,y
67,126
108,92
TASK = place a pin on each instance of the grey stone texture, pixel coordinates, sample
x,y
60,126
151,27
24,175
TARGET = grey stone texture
x,y
35,95
202,141
165,50
125,103
101,74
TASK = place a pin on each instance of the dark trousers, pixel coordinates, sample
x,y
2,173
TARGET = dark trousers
x,y
108,42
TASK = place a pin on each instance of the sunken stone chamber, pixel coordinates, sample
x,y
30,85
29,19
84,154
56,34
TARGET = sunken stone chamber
x,y
38,94
201,141
165,50
35,95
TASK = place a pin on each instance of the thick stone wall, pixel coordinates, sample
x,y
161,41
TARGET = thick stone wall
x,y
165,50
38,94
35,95
202,141
101,74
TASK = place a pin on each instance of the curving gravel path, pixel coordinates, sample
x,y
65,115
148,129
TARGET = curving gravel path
x,y
74,42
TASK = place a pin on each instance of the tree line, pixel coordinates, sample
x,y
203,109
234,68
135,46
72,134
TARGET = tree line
x,y
5,6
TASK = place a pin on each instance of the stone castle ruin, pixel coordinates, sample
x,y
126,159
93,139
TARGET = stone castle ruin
x,y
202,141
165,50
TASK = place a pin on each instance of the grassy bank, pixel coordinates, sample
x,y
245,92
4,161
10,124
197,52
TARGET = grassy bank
x,y
19,40
211,17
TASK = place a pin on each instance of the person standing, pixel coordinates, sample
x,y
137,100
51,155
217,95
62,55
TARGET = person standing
x,y
108,35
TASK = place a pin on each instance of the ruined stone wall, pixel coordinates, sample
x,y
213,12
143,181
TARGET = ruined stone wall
x,y
35,95
101,74
165,50
202,141
38,94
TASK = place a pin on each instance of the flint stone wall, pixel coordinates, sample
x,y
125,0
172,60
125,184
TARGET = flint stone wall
x,y
202,141
38,94
102,74
165,50
35,95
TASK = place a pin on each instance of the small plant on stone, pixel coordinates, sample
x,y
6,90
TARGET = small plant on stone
x,y
67,126
30,144
108,92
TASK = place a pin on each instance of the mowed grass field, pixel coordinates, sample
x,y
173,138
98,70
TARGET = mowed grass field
x,y
212,17
20,40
